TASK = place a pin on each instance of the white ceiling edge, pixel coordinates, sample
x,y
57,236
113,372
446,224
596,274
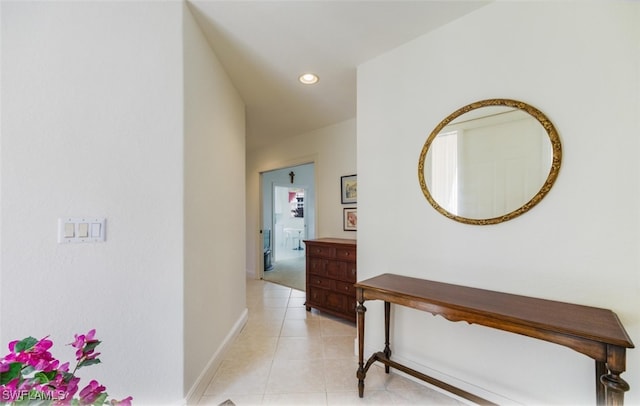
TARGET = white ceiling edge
x,y
265,45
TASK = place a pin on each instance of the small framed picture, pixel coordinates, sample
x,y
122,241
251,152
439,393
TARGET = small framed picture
x,y
350,219
349,188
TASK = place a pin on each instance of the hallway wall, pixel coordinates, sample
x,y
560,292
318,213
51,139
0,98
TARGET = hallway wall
x,y
92,125
214,232
140,125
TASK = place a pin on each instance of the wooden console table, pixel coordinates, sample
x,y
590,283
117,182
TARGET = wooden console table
x,y
594,332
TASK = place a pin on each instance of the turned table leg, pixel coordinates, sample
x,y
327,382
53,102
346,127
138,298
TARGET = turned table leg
x,y
614,384
616,387
601,370
360,309
387,321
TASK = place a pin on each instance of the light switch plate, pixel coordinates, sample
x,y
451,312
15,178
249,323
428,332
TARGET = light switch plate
x,y
81,229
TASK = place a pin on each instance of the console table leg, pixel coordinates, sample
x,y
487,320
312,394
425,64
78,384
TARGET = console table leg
x,y
360,309
615,385
601,370
387,322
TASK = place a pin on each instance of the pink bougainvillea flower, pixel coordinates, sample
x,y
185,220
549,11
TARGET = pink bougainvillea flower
x,y
43,345
15,389
91,334
78,341
91,392
85,345
64,367
82,339
11,385
12,345
35,356
8,394
123,402
91,354
65,390
39,372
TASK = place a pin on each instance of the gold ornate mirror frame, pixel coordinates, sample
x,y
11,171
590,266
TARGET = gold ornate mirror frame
x,y
553,172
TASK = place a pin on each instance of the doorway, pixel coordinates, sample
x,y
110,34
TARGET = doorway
x,y
288,218
288,222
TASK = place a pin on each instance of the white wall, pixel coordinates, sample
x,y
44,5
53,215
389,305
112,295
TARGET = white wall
x,y
214,212
333,150
579,64
92,126
101,118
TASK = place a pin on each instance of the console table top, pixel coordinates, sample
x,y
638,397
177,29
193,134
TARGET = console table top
x,y
456,302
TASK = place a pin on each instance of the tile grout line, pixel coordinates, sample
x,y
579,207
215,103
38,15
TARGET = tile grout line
x,y
273,358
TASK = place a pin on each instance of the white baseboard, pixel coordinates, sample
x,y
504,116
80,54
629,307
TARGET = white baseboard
x,y
200,385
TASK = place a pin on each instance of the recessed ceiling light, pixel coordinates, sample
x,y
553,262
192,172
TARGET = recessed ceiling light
x,y
309,78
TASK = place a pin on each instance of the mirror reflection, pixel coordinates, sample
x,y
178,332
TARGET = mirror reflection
x,y
489,161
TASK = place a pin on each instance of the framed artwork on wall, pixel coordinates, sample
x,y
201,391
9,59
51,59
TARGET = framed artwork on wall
x,y
350,219
349,189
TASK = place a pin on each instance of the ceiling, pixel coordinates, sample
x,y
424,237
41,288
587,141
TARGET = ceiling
x,y
265,45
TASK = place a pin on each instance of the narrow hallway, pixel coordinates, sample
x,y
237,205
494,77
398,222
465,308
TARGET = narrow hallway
x,y
288,356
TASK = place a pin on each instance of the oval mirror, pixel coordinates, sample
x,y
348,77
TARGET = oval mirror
x,y
489,161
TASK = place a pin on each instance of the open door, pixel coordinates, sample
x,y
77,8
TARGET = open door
x,y
288,213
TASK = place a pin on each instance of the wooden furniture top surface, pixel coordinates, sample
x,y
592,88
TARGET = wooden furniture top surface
x,y
331,241
585,322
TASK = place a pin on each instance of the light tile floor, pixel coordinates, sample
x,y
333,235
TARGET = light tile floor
x,y
288,356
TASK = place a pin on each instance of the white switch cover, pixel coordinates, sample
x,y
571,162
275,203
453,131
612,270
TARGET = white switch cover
x,y
81,229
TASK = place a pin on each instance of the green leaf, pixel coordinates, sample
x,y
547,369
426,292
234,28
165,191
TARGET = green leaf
x,y
90,346
41,377
66,376
44,377
100,400
88,362
11,374
25,344
37,398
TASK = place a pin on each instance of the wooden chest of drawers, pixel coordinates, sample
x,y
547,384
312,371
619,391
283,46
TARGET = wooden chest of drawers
x,y
331,273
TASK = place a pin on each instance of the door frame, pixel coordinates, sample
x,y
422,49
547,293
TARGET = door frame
x,y
259,254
